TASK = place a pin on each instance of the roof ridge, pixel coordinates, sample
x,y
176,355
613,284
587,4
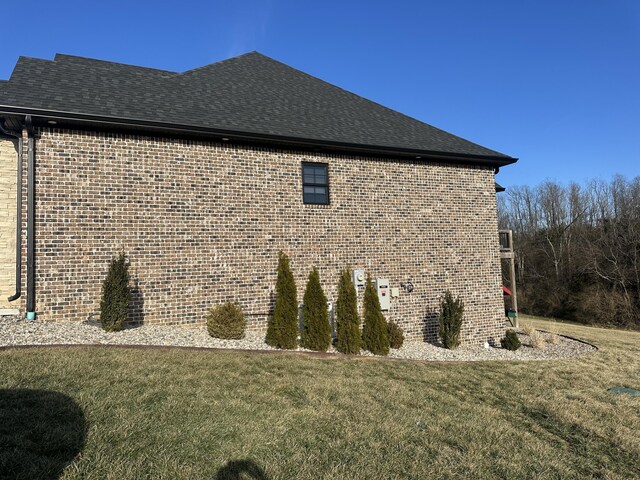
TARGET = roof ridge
x,y
252,52
63,56
360,97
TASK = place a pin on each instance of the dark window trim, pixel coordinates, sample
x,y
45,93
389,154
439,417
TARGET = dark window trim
x,y
328,185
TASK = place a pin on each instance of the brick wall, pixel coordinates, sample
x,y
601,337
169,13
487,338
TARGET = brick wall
x,y
202,223
8,169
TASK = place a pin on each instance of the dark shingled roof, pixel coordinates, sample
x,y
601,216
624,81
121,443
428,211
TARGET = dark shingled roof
x,y
250,94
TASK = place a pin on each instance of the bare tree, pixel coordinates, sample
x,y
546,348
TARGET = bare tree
x,y
577,249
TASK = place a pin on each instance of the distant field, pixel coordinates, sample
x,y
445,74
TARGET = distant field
x,y
176,414
546,321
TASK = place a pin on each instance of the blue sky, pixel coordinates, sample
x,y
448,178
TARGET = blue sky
x,y
555,83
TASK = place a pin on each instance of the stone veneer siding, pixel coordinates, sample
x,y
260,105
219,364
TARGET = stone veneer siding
x,y
8,170
202,223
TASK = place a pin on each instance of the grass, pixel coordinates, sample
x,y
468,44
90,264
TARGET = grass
x,y
173,414
552,336
537,340
528,328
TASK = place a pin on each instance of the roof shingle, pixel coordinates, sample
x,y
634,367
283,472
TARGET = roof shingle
x,y
251,94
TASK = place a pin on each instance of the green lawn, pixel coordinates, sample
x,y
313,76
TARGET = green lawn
x,y
171,414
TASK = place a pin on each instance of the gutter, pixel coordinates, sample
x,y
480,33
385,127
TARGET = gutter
x,y
18,293
31,221
471,159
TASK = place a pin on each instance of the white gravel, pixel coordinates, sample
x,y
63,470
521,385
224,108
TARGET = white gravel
x,y
15,332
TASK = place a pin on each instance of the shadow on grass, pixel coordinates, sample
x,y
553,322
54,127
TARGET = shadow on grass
x,y
41,432
241,470
594,453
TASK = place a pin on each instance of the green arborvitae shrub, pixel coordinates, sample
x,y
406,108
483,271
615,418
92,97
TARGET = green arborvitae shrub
x,y
450,318
316,329
226,321
282,331
511,341
374,330
116,295
348,335
396,335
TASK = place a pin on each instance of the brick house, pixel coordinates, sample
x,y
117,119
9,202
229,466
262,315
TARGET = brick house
x,y
202,176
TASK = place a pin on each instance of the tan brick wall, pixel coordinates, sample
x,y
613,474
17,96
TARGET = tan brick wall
x,y
202,223
8,167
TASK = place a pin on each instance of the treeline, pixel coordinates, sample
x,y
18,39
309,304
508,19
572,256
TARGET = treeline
x,y
577,250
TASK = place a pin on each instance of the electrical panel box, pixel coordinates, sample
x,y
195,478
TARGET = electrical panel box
x,y
384,293
330,311
358,278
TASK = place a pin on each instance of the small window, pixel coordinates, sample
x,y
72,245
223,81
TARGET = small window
x,y
315,183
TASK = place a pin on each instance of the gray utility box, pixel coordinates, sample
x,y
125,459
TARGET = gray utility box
x,y
384,293
330,311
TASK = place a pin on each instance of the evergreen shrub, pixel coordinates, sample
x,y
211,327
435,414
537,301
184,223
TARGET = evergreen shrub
x,y
226,321
396,335
510,341
450,320
348,335
316,329
282,330
116,295
374,331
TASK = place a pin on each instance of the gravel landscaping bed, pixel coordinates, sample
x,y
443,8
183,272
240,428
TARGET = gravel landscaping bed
x,y
16,332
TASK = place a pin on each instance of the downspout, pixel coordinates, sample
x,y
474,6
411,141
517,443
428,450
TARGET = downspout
x,y
18,293
31,221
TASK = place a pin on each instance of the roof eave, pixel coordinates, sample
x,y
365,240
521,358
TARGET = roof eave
x,y
233,135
